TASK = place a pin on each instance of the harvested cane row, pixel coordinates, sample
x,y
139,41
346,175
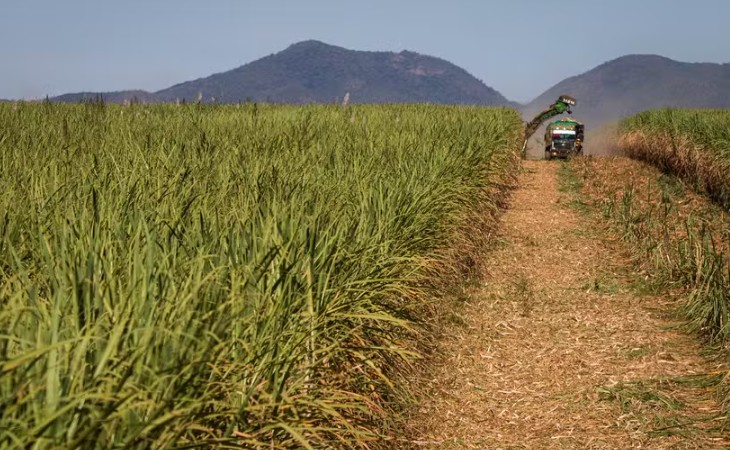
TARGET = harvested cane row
x,y
693,145
679,249
684,238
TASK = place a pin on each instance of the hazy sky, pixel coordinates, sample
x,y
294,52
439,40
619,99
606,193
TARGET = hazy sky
x,y
519,47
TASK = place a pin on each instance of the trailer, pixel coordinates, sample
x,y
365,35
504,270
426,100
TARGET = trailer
x,y
564,138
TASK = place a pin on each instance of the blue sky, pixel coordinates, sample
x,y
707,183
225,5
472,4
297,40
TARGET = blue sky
x,y
519,47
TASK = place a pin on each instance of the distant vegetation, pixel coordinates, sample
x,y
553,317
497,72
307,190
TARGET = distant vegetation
x,y
179,277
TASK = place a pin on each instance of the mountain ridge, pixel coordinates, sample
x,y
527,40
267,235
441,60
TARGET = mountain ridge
x,y
312,71
633,83
315,72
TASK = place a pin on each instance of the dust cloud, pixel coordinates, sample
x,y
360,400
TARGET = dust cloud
x,y
601,141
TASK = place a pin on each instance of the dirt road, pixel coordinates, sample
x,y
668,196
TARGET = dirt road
x,y
559,349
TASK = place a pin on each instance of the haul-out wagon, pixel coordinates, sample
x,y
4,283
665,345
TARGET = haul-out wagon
x,y
563,138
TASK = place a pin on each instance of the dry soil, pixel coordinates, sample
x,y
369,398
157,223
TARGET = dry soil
x,y
558,348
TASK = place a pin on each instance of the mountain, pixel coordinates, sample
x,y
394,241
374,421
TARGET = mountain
x,y
315,72
634,83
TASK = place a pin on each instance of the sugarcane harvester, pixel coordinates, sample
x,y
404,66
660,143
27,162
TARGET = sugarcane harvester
x,y
562,106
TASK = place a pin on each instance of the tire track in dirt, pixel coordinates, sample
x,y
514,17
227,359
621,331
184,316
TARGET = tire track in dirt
x,y
557,350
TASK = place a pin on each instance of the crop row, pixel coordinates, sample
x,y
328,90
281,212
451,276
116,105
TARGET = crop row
x,y
691,144
235,276
686,240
